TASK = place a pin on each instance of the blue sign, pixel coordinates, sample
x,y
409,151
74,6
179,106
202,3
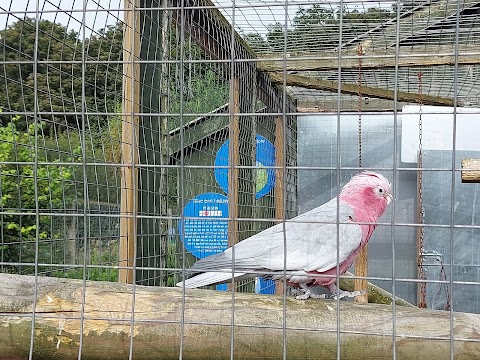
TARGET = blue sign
x,y
265,157
208,233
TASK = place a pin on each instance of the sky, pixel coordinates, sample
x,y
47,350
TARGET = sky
x,y
65,12
250,15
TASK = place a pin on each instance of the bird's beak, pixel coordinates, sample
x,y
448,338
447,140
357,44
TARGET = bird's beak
x,y
389,198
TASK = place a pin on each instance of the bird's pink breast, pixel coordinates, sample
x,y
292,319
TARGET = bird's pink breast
x,y
361,215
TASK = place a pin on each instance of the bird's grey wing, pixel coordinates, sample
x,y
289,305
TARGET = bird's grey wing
x,y
311,240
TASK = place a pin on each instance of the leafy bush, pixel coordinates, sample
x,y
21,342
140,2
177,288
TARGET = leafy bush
x,y
21,171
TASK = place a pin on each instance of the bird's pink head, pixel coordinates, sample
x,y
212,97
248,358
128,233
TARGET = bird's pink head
x,y
369,191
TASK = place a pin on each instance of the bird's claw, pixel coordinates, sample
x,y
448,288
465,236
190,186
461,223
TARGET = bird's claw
x,y
307,294
342,294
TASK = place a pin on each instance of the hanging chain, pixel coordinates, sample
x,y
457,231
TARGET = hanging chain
x,y
359,95
422,301
443,276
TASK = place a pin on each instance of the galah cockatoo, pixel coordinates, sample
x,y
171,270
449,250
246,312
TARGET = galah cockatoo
x,y
310,239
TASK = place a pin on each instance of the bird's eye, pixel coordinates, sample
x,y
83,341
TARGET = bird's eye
x,y
380,190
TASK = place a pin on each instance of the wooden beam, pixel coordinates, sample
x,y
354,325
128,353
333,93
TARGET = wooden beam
x,y
109,324
328,85
472,175
329,104
131,105
373,59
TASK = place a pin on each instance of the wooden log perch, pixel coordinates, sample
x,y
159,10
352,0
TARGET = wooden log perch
x,y
472,175
311,332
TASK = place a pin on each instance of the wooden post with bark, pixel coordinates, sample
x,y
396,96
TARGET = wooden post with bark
x,y
130,122
110,318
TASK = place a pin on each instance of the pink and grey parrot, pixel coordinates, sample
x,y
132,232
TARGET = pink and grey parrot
x,y
311,242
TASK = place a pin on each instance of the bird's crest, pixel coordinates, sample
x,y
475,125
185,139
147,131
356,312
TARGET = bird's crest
x,y
368,178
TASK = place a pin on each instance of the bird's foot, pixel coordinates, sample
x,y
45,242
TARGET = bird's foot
x,y
304,292
342,294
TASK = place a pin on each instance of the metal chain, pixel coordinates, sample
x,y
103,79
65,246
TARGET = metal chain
x,y
359,95
443,276
422,303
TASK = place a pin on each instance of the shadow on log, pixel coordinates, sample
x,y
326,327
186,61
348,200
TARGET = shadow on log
x,y
311,326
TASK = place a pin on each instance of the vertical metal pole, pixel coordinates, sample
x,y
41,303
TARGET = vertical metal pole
x,y
283,170
134,89
452,198
35,175
337,218
394,182
234,128
164,94
234,156
85,189
181,187
279,183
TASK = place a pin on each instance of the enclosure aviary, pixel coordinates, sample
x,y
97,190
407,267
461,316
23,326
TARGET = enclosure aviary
x,y
310,257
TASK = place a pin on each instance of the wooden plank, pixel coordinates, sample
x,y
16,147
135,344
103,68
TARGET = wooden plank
x,y
330,104
472,175
373,59
108,326
131,84
279,184
197,130
234,157
327,85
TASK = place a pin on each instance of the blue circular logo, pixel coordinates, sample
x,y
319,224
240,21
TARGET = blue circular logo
x,y
207,234
265,157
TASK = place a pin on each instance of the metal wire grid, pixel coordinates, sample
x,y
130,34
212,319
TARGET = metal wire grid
x,y
183,168
426,30
52,146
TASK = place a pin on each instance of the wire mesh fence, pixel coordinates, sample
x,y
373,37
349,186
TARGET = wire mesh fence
x,y
138,137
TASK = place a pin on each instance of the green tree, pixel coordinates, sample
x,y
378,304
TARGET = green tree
x,y
18,180
59,85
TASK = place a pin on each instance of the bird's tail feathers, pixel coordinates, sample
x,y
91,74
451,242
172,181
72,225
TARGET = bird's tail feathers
x,y
208,278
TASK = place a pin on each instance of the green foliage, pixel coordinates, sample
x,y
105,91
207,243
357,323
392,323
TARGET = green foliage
x,y
206,93
105,257
102,145
59,85
18,182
